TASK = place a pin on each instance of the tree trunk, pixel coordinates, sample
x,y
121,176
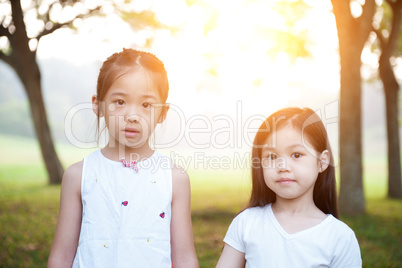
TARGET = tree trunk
x,y
351,196
23,61
352,35
32,85
391,88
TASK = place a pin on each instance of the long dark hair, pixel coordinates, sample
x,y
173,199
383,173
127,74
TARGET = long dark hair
x,y
311,127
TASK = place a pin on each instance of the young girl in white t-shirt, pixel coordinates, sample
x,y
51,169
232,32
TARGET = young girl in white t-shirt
x,y
291,219
126,205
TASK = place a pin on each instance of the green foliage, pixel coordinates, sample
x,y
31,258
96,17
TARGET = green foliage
x,y
191,2
289,34
29,207
140,20
293,44
292,11
379,233
291,39
212,21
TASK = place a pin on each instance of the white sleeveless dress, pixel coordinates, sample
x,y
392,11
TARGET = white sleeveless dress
x,y
126,214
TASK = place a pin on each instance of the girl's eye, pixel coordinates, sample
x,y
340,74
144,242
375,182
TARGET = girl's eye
x,y
297,155
146,105
271,156
120,102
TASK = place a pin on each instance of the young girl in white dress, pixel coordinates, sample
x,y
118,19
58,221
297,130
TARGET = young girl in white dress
x,y
126,205
291,219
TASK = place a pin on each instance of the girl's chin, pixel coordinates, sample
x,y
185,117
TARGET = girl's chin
x,y
128,143
134,145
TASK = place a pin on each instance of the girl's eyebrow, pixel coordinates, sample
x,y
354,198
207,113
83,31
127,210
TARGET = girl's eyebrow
x,y
146,96
118,93
296,145
268,148
273,148
149,96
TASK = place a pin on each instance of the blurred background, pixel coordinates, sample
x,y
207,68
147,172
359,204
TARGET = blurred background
x,y
230,64
244,59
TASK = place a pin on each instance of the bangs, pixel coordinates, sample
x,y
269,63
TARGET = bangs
x,y
267,129
158,81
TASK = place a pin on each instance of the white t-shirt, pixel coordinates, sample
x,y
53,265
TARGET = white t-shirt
x,y
126,214
258,234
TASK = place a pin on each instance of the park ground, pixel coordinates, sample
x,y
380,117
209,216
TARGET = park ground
x,y
29,208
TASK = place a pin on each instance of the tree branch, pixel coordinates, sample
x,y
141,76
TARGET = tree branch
x,y
19,39
380,38
2,21
367,15
51,30
343,16
395,25
364,22
57,26
4,31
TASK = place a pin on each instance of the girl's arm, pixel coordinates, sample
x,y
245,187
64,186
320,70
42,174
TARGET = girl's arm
x,y
69,222
231,258
182,243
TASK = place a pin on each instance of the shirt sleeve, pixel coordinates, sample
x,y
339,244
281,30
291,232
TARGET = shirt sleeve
x,y
348,254
235,234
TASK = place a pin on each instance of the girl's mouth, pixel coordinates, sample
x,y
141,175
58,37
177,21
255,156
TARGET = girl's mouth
x,y
285,181
131,132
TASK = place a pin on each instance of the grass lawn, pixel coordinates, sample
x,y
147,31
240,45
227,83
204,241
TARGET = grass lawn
x,y
29,207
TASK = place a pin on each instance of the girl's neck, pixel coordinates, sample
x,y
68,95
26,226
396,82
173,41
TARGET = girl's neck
x,y
299,207
294,217
116,153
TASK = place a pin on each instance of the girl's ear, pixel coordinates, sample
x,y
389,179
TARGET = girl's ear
x,y
324,160
165,109
96,106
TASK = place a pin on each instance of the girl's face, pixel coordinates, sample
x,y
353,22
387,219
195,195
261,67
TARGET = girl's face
x,y
132,109
290,167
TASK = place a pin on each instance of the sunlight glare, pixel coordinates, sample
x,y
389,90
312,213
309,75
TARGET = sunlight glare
x,y
356,8
219,52
230,62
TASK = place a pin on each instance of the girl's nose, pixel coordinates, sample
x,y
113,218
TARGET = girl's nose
x,y
132,118
131,113
282,165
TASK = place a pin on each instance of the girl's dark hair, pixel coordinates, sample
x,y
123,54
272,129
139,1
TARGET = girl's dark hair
x,y
130,60
127,61
312,129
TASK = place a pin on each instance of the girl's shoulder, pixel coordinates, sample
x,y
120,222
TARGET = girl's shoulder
x,y
251,218
179,174
72,178
74,170
181,189
165,162
338,226
251,213
257,209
